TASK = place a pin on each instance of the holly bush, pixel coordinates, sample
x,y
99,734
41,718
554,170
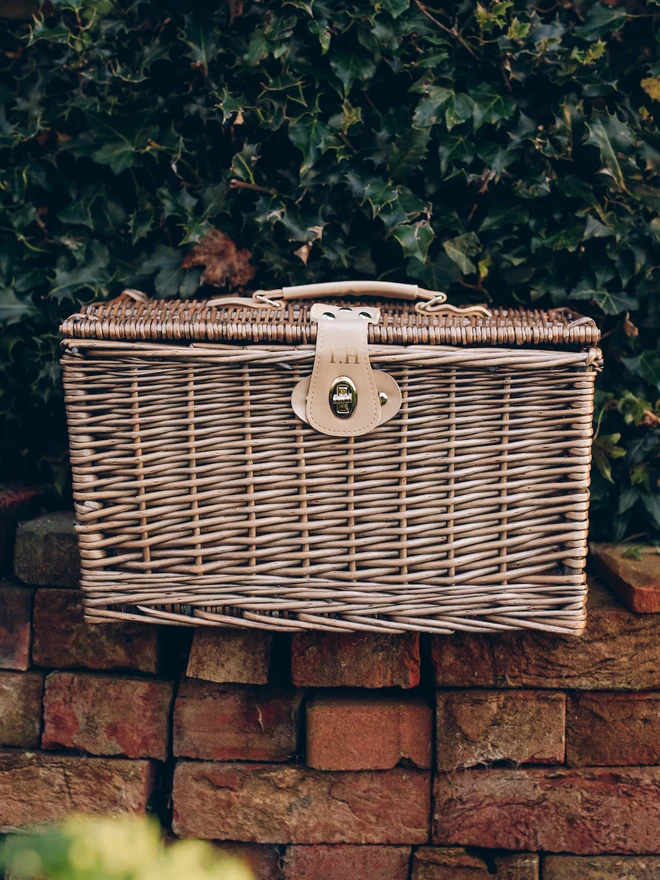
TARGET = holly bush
x,y
502,151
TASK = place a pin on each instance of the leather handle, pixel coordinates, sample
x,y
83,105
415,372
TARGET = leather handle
x,y
430,300
385,289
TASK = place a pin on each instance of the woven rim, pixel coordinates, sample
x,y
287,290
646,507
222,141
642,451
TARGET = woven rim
x,y
195,321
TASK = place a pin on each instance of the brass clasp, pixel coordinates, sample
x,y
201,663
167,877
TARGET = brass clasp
x,y
343,397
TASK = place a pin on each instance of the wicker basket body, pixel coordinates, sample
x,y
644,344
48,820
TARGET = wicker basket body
x,y
202,498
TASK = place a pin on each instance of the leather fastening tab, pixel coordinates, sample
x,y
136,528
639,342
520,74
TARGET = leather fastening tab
x,y
343,396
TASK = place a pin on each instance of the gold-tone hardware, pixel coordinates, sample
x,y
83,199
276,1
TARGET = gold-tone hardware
x,y
343,397
387,388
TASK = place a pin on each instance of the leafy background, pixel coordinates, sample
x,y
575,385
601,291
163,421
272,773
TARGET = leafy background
x,y
503,152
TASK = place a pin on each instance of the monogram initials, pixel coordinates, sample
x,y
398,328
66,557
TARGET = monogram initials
x,y
351,356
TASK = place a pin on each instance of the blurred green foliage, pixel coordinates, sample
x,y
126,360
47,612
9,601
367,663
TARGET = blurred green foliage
x,y
125,848
501,151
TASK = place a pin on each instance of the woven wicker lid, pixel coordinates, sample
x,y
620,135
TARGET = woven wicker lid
x,y
132,319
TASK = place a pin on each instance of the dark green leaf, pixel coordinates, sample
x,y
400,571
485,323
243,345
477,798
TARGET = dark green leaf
x,y
613,138
454,148
352,67
505,216
629,496
428,111
601,20
13,309
122,139
490,105
379,194
596,229
310,135
140,224
459,109
243,163
461,248
408,153
611,303
395,7
652,504
415,240
605,450
200,41
645,365
169,278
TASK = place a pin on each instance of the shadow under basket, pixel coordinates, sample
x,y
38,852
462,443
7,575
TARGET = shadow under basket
x,y
220,479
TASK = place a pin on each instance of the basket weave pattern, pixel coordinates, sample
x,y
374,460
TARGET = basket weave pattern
x,y
196,321
202,499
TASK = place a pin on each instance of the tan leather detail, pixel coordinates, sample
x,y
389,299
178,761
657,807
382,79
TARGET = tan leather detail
x,y
431,300
342,350
388,386
384,383
342,353
384,289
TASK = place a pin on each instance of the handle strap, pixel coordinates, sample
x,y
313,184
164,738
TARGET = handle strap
x,y
385,289
431,300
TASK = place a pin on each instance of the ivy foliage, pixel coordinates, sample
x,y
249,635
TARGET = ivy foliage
x,y
498,150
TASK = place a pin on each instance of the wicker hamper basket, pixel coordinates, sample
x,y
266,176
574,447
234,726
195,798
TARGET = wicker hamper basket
x,y
353,465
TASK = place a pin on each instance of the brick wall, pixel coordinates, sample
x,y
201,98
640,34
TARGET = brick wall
x,y
359,757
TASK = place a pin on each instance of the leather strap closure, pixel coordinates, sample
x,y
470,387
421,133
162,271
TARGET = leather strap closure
x,y
343,397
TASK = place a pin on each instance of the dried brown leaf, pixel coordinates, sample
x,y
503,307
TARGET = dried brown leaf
x,y
303,252
651,86
629,328
225,265
235,9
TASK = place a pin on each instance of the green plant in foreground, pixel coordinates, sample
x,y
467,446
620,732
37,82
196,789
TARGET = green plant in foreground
x,y
126,848
502,151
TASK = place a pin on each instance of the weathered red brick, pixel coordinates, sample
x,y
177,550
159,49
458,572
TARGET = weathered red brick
x,y
16,503
579,811
230,655
345,862
451,863
264,803
357,732
613,729
619,650
518,866
15,626
107,715
36,788
46,551
601,868
369,660
63,640
463,660
225,722
455,863
635,579
482,727
21,695
262,860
